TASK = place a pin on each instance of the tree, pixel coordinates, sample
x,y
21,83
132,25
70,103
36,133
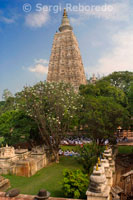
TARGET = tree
x,y
105,107
130,97
89,154
2,103
105,89
7,105
52,106
100,117
16,126
120,79
124,81
6,94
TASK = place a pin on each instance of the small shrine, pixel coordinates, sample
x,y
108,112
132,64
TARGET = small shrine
x,y
98,188
7,152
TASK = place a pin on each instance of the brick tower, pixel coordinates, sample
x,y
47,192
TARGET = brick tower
x,y
65,61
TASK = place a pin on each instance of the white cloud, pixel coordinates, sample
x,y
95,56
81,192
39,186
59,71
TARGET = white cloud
x,y
40,67
119,11
37,19
120,57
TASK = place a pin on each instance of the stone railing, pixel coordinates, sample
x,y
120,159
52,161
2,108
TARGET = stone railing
x,y
101,179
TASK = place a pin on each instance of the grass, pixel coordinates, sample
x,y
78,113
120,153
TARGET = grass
x,y
48,178
70,148
125,149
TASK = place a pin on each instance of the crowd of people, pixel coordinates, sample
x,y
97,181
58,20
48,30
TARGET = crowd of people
x,y
73,141
68,153
76,141
124,139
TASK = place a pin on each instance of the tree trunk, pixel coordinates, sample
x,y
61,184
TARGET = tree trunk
x,y
56,155
57,159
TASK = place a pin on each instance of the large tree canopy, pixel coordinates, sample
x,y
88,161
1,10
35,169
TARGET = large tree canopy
x,y
54,109
101,116
16,126
105,107
6,94
122,80
105,89
52,106
130,97
7,105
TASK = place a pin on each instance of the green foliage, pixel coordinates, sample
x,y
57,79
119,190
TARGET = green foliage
x,y
7,105
16,127
6,94
89,154
100,116
105,89
105,107
122,80
2,103
75,183
1,140
52,106
130,97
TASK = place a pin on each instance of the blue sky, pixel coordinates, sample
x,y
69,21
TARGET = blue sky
x,y
104,30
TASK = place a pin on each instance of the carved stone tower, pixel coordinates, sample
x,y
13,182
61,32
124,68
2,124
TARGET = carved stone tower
x,y
65,62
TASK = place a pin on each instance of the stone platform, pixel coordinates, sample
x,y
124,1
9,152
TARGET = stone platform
x,y
22,162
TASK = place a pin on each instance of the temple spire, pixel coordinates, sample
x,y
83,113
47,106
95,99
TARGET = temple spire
x,y
64,13
65,63
65,24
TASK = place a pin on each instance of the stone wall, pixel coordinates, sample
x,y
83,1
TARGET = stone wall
x,y
28,197
4,183
25,163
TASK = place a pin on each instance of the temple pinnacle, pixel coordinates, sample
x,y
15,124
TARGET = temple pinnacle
x,y
65,24
65,13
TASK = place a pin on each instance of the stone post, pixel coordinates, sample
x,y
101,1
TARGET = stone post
x,y
108,155
98,188
108,171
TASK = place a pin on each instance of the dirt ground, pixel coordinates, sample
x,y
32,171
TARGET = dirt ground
x,y
124,163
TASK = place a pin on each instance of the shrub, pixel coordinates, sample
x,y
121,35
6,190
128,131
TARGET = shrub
x,y
89,154
75,183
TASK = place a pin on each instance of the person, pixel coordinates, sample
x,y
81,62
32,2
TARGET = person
x,y
60,152
72,152
66,153
106,142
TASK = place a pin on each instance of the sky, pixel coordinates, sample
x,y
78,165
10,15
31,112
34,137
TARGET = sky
x,y
103,28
